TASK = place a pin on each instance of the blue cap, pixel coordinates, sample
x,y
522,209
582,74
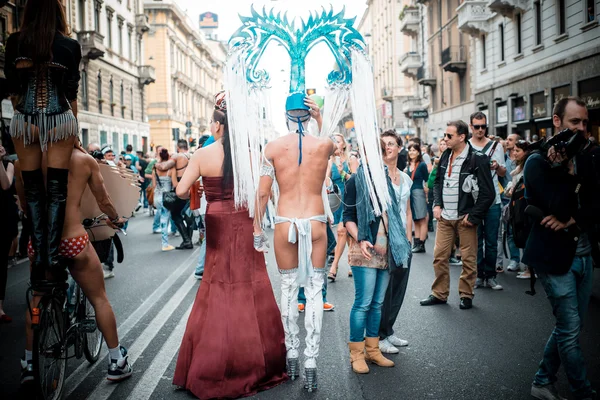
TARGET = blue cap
x,y
295,101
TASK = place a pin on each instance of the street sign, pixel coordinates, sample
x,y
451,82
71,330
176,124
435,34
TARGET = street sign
x,y
420,114
209,20
188,124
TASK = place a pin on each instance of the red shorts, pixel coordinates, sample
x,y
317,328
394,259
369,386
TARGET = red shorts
x,y
69,248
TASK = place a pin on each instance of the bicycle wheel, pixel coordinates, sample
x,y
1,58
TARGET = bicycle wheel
x,y
92,337
49,350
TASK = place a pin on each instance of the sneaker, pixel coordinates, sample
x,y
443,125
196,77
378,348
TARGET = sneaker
x,y
493,284
198,276
168,248
396,341
513,266
119,370
479,283
301,307
108,274
454,262
524,275
137,208
328,306
386,347
26,371
546,392
157,232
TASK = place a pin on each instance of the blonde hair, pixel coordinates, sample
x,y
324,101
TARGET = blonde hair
x,y
345,143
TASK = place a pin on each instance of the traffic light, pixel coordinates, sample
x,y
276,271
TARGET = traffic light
x,y
310,92
192,142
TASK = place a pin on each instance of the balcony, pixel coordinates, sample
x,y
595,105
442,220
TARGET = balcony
x,y
454,59
426,77
508,7
473,16
147,74
410,64
412,104
92,44
387,94
142,23
410,21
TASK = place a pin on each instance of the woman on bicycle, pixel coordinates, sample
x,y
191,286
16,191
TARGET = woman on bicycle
x,y
42,71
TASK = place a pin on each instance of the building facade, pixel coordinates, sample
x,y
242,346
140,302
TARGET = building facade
x,y
387,45
180,104
112,90
10,15
448,76
527,55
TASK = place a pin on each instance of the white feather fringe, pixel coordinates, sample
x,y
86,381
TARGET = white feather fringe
x,y
335,103
362,95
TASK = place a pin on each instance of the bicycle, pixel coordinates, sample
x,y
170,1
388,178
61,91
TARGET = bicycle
x,y
62,319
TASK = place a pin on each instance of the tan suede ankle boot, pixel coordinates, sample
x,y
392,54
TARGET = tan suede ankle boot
x,y
357,357
374,354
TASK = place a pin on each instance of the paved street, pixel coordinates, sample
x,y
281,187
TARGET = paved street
x,y
489,352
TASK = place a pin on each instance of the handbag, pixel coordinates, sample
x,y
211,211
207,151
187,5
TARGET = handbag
x,y
169,198
150,195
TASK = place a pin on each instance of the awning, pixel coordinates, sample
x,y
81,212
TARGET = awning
x,y
525,121
500,125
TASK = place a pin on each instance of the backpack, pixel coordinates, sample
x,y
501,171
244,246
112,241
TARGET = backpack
x,y
519,221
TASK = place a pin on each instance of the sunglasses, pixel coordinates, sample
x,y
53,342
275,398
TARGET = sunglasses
x,y
477,127
448,135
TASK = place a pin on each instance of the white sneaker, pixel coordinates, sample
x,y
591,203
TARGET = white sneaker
x,y
386,347
479,283
493,284
513,266
108,274
396,341
547,392
168,248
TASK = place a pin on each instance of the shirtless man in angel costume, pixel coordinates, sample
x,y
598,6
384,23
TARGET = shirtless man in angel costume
x,y
299,164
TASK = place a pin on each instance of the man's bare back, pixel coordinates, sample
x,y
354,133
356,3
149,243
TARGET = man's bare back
x,y
300,186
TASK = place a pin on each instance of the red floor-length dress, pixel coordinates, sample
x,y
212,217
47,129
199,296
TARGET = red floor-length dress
x,y
234,342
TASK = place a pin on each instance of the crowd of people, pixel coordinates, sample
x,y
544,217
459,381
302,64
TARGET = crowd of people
x,y
466,189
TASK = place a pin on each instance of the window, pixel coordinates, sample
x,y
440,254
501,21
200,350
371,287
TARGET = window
x,y
81,15
125,140
483,52
85,138
111,93
120,28
97,9
561,14
518,33
131,100
139,50
115,143
439,9
462,83
103,138
122,101
109,30
590,11
100,99
537,9
130,41
501,38
84,90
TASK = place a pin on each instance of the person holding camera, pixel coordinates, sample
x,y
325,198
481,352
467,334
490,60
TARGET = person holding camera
x,y
561,182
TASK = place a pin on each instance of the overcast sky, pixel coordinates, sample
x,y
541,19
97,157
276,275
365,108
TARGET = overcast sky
x,y
319,62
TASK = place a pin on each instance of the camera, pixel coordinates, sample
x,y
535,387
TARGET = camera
x,y
568,143
97,154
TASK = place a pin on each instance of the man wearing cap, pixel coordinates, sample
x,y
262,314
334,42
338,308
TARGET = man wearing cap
x,y
299,163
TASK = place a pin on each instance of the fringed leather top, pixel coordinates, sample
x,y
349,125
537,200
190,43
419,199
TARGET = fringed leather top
x,y
44,91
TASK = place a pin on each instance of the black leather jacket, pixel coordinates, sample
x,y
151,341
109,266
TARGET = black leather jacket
x,y
478,164
47,88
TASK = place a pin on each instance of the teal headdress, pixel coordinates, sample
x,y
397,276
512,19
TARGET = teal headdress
x,y
246,85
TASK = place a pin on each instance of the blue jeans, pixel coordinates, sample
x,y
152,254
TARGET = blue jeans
x,y
164,215
515,252
488,231
569,295
156,222
370,286
201,258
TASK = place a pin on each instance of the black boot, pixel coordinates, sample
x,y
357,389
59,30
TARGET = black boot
x,y
57,181
415,245
186,244
35,195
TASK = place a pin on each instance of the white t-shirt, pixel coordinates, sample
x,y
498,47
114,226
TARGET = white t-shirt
x,y
498,156
451,190
403,194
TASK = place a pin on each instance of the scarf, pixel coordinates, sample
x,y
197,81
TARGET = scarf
x,y
398,244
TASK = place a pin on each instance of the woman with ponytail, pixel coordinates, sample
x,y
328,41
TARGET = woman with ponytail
x,y
234,342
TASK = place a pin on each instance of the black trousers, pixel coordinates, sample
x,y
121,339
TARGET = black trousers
x,y
5,245
394,297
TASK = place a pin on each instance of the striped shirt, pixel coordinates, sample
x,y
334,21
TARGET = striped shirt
x,y
451,188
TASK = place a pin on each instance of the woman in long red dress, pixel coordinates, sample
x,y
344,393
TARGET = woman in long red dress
x,y
234,342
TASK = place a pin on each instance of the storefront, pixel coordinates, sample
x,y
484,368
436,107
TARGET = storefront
x,y
500,129
589,91
520,123
541,121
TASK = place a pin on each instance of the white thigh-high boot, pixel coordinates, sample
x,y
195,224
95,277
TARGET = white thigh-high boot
x,y
289,319
313,321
